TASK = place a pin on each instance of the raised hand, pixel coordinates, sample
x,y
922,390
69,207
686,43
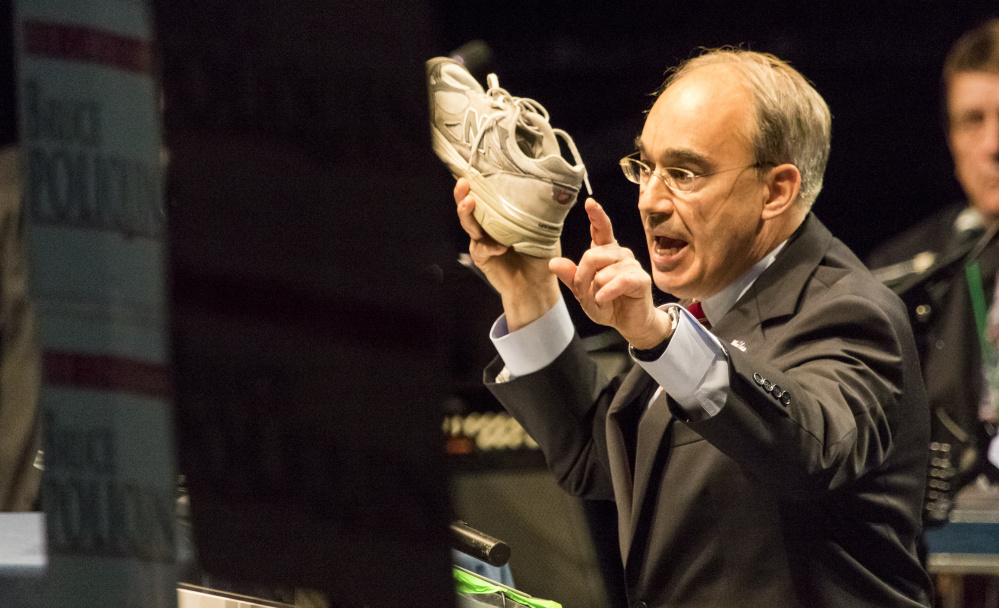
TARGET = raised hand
x,y
612,287
526,286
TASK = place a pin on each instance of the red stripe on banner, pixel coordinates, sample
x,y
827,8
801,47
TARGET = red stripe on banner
x,y
105,372
78,43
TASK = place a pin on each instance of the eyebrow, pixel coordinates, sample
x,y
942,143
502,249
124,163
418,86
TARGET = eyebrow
x,y
676,155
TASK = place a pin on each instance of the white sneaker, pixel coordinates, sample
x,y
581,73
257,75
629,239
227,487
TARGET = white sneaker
x,y
504,145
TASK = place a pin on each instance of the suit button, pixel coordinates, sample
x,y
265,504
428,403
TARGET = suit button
x,y
758,379
768,385
777,392
786,398
923,312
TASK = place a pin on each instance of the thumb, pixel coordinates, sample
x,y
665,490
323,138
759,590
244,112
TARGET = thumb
x,y
564,269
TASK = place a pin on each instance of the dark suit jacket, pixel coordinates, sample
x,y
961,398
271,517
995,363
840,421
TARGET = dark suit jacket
x,y
936,233
946,334
804,490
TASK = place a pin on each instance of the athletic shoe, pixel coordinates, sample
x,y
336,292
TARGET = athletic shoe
x,y
509,152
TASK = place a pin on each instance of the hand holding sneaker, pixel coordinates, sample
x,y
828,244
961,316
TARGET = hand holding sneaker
x,y
526,286
510,154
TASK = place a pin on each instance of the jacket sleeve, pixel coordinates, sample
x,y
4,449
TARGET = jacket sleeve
x,y
821,407
563,407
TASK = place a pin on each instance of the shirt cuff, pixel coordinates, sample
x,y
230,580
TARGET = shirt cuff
x,y
535,345
657,351
693,370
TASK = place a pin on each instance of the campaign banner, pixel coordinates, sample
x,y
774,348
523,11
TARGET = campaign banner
x,y
89,118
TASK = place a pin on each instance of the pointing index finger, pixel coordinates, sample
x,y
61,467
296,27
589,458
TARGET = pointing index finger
x,y
601,230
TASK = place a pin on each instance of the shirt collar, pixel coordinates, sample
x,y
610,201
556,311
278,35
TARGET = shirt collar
x,y
717,305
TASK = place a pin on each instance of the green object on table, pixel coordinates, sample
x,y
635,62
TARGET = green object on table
x,y
471,584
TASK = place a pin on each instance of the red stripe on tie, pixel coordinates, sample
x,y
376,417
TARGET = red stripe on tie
x,y
697,310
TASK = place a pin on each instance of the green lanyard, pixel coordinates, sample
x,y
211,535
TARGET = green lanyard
x,y
973,274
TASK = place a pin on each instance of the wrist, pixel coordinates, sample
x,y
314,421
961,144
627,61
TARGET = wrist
x,y
523,307
662,328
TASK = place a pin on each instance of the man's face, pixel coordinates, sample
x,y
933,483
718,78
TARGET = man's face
x,y
701,241
973,111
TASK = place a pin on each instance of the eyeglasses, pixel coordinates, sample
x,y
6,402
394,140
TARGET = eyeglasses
x,y
675,178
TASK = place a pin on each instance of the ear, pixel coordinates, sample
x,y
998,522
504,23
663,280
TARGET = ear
x,y
783,183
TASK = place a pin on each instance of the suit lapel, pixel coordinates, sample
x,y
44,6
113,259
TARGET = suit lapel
x,y
625,400
653,436
777,292
657,433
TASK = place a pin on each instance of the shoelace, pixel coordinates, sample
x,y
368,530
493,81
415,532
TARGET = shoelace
x,y
503,101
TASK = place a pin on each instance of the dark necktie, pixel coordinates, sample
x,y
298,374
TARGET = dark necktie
x,y
697,310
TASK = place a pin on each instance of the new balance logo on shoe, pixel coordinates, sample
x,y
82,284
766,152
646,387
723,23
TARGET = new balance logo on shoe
x,y
472,127
504,145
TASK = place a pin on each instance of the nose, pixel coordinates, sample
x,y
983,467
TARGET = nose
x,y
990,136
662,178
655,196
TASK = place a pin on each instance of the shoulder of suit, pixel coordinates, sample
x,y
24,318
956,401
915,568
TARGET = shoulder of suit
x,y
931,234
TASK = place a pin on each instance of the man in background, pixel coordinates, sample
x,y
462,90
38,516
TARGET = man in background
x,y
945,268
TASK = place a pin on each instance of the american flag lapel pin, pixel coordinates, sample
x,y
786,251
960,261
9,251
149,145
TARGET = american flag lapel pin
x,y
739,344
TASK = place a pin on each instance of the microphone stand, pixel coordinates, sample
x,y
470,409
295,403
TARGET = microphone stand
x,y
481,546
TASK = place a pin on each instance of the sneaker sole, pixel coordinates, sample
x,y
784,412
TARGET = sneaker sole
x,y
488,204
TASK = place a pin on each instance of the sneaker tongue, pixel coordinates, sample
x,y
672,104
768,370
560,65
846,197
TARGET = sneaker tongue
x,y
529,142
535,137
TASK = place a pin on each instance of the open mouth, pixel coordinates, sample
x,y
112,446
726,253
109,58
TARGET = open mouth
x,y
667,246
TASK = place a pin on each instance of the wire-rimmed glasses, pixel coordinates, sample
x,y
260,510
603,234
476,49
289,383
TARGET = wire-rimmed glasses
x,y
675,178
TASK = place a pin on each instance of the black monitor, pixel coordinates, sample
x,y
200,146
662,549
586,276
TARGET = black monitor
x,y
306,217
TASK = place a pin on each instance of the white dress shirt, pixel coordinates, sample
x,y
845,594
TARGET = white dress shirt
x,y
693,369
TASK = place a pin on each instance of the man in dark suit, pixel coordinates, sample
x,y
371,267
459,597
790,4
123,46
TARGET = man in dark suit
x,y
777,459
927,265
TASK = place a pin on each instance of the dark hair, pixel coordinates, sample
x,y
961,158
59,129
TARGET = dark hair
x,y
975,51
